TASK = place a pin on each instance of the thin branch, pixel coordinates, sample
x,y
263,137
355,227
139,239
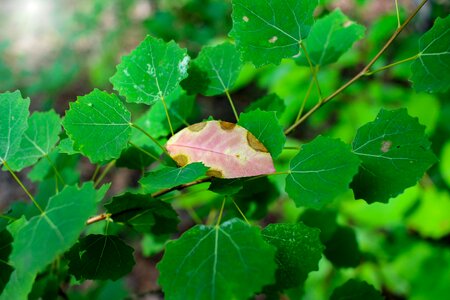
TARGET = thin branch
x,y
180,187
368,73
360,74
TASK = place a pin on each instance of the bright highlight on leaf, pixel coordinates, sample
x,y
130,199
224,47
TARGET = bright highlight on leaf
x,y
395,154
321,171
151,71
268,31
429,70
99,125
13,123
229,150
230,261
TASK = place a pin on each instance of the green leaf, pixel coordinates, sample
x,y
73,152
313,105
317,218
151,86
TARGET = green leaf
x,y
395,154
135,159
103,257
298,252
330,37
265,127
429,69
267,31
18,286
226,187
342,248
320,172
355,290
49,234
214,71
13,123
269,102
66,146
213,262
99,125
143,213
170,177
324,219
151,71
5,250
38,140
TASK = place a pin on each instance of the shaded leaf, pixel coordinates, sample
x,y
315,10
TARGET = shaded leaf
x,y
354,290
13,123
151,71
321,171
101,257
267,31
169,177
99,125
298,252
213,263
229,150
434,59
5,250
214,71
143,213
226,186
38,140
270,102
394,152
342,248
265,127
330,37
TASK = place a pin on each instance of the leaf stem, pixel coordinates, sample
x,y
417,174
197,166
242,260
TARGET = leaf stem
x,y
167,114
302,107
240,211
105,171
23,187
360,74
219,219
55,170
292,148
232,105
368,73
398,13
144,151
180,187
149,136
6,217
313,70
97,169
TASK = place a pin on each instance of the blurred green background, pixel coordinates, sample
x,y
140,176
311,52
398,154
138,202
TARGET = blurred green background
x,y
55,50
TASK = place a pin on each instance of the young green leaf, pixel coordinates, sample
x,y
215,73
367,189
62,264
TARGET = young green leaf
x,y
151,71
5,250
13,123
38,140
170,177
330,37
99,125
322,170
429,69
229,150
100,257
269,102
354,289
209,262
265,127
66,146
214,71
298,252
143,213
394,152
267,31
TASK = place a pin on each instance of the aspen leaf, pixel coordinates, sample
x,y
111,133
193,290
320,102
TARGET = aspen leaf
x,y
229,150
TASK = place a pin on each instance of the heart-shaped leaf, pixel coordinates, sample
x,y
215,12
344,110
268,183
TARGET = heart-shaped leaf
x,y
229,150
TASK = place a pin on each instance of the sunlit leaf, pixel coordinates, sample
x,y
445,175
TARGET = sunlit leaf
x,y
267,31
101,257
394,152
321,171
229,150
214,71
213,262
13,123
330,37
38,140
99,125
429,69
151,71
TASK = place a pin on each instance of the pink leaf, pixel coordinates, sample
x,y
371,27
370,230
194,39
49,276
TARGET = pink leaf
x,y
229,150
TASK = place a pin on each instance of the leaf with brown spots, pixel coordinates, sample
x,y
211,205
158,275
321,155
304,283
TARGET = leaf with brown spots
x,y
229,150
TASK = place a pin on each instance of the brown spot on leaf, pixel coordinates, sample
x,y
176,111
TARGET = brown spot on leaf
x,y
197,127
226,125
385,146
214,173
254,143
181,160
